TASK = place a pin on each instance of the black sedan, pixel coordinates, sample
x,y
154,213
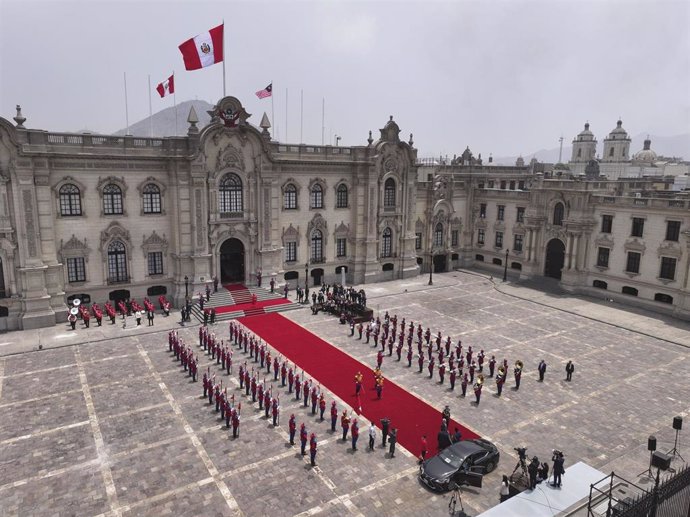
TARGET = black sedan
x,y
459,464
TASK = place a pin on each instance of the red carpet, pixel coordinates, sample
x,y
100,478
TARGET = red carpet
x,y
336,370
249,307
235,287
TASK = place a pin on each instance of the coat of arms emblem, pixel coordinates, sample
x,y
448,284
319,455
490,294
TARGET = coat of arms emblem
x,y
205,48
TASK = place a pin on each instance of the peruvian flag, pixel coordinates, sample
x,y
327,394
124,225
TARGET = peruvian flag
x,y
203,50
167,86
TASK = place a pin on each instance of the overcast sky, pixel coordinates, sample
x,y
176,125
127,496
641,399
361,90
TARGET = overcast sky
x,y
502,77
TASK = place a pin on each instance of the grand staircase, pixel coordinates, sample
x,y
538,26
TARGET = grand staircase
x,y
237,294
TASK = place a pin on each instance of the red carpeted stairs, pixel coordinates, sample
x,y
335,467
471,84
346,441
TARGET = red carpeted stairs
x,y
336,370
235,301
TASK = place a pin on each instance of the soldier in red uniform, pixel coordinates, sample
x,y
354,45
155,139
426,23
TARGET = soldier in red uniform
x,y
409,357
275,411
303,438
236,422
314,399
442,371
500,380
453,375
345,424
283,373
354,431
292,426
205,381
334,416
464,384
253,388
480,360
291,379
472,367
267,402
322,406
478,389
276,368
312,449
241,376
298,387
431,368
260,394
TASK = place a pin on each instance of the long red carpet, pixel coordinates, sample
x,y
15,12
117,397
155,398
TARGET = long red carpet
x,y
250,306
336,370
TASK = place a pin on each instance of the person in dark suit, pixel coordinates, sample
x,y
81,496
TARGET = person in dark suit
x,y
558,469
569,369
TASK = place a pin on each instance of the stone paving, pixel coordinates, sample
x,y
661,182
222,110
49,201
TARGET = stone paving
x,y
103,420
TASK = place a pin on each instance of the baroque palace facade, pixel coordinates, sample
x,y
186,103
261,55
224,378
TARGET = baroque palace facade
x,y
106,217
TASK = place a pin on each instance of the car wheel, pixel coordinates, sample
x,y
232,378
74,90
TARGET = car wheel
x,y
490,466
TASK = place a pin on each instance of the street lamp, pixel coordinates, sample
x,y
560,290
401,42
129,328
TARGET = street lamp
x,y
186,287
431,266
306,275
505,266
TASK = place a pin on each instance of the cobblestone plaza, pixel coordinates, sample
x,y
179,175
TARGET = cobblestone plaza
x,y
104,421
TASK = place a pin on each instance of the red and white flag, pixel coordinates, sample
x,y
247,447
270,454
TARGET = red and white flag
x,y
167,86
203,50
266,92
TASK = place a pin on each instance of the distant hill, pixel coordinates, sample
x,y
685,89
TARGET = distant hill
x,y
678,146
164,120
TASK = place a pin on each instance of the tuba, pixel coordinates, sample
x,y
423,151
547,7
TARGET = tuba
x,y
501,373
480,379
518,366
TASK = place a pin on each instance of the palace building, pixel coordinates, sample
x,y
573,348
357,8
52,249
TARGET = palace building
x,y
101,217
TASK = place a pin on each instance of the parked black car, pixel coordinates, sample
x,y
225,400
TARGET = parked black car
x,y
459,464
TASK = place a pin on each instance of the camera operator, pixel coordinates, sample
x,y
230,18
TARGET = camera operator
x,y
558,470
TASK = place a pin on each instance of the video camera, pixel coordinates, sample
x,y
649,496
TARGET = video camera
x,y
522,452
556,453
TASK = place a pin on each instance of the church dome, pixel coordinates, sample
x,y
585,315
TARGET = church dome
x,y
618,130
585,134
646,154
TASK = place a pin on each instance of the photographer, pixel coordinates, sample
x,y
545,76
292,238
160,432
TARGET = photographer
x,y
558,470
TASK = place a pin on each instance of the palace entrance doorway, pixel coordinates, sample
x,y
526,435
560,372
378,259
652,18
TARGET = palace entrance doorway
x,y
232,261
555,258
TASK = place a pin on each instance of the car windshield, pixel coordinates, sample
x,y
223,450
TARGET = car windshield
x,y
451,459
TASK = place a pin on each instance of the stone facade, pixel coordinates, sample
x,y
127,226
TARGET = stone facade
x,y
103,217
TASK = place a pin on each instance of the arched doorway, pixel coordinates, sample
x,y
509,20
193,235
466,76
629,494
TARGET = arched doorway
x,y
555,258
232,261
440,263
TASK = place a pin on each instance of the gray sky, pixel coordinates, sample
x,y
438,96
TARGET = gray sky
x,y
504,77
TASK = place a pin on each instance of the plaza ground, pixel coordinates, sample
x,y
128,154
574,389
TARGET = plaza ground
x,y
103,420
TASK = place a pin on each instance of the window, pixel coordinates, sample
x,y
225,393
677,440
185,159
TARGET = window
x,y
291,252
501,212
517,242
70,200
491,184
389,193
341,196
112,200
512,185
672,230
387,243
611,152
668,268
600,284
480,184
520,214
499,239
633,263
603,257
290,197
606,223
117,262
155,263
152,199
230,193
480,236
579,153
316,196
503,184
558,214
521,185
418,241
629,290
76,272
664,298
637,227
480,258
438,236
454,237
497,261
482,210
316,246
341,247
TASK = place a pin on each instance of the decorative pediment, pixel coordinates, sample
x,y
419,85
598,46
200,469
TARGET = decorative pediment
x,y
419,226
114,231
317,223
120,182
291,181
229,158
342,230
556,232
499,226
74,248
439,217
441,187
229,112
669,249
391,222
604,240
291,234
456,223
151,179
68,180
635,245
519,229
317,181
154,242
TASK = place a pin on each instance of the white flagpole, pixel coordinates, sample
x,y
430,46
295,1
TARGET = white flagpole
x,y
175,101
301,115
126,107
273,120
323,124
150,111
286,115
224,58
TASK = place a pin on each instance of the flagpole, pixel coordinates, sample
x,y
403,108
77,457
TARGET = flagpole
x,y
224,57
273,120
301,115
286,115
150,111
126,107
323,124
175,101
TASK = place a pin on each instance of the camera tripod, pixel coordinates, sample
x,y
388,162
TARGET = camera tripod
x,y
520,464
454,500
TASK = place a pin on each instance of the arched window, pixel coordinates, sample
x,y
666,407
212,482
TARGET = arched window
x,y
579,153
117,262
70,200
600,284
230,192
316,196
386,243
152,199
341,196
438,235
112,200
664,298
389,193
629,290
558,214
316,246
290,197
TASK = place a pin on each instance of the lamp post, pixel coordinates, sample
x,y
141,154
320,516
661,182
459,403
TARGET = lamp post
x,y
306,275
505,266
186,287
431,266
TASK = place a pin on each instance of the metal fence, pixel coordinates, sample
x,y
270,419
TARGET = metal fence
x,y
668,498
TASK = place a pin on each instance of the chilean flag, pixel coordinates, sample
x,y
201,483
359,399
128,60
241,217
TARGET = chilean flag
x,y
167,86
203,50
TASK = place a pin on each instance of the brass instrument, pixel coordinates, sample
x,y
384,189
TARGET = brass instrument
x,y
518,366
480,379
501,375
